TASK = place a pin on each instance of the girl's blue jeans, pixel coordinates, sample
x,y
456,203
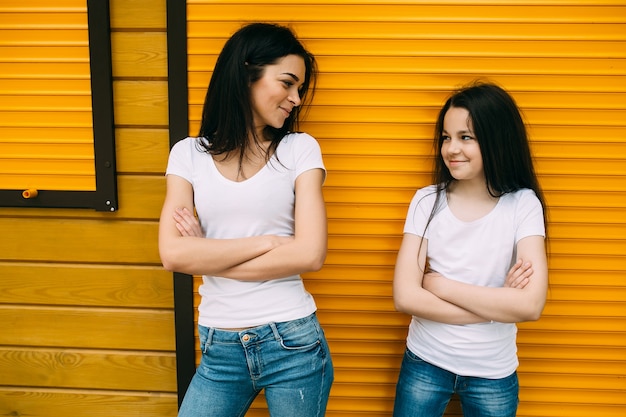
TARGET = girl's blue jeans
x,y
424,390
289,360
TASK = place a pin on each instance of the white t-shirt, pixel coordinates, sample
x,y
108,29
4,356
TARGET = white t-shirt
x,y
480,252
261,205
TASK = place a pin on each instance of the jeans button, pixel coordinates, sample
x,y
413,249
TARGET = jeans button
x,y
245,337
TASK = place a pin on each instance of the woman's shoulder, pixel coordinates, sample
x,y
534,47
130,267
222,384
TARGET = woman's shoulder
x,y
298,142
185,143
190,145
298,137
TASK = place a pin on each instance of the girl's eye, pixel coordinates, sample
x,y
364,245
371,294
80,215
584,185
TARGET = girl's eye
x,y
445,138
287,83
466,137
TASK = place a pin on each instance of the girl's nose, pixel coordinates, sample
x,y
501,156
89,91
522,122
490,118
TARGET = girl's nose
x,y
454,146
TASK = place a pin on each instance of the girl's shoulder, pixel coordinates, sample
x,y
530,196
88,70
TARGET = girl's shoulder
x,y
521,195
426,197
521,201
428,192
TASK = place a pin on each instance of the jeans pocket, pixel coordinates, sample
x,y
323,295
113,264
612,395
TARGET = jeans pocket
x,y
413,357
203,337
303,336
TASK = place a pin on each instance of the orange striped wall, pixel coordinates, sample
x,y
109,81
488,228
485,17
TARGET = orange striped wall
x,y
386,67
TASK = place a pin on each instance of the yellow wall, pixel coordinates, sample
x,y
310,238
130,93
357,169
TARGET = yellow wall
x,y
46,131
386,67
87,311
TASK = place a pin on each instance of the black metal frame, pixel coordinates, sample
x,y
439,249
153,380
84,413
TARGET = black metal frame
x,y
105,196
178,129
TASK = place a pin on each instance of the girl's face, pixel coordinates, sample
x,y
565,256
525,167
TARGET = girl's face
x,y
459,149
277,92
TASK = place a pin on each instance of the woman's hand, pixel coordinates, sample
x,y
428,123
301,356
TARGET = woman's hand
x,y
186,223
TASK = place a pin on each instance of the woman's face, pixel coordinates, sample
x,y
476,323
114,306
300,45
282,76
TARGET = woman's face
x,y
277,92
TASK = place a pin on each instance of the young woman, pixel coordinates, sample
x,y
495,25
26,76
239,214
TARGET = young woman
x,y
472,261
257,189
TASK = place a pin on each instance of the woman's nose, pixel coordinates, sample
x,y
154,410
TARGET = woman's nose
x,y
294,98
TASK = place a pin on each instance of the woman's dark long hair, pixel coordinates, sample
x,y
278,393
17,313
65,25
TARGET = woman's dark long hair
x,y
227,120
503,140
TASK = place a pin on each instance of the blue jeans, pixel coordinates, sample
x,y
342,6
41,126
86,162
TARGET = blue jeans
x,y
289,360
424,390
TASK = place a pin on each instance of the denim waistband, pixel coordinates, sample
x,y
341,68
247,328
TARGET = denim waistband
x,y
258,333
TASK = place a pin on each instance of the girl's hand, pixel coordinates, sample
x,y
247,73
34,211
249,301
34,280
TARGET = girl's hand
x,y
432,281
186,223
519,275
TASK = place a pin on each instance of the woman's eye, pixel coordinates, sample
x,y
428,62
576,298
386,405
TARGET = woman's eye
x,y
444,138
287,83
466,137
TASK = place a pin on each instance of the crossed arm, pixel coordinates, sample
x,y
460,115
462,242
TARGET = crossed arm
x,y
431,296
183,247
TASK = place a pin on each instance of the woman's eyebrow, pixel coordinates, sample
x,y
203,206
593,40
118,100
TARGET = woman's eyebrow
x,y
294,76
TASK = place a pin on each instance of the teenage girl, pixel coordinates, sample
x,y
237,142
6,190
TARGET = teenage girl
x,y
472,262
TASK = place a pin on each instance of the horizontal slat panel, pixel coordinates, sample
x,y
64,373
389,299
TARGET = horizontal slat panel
x,y
47,87
575,409
448,82
425,30
338,12
204,51
37,54
433,99
94,241
71,368
527,351
86,285
85,403
93,328
73,182
65,103
36,37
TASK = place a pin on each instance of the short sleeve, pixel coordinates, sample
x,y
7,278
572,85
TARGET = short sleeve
x,y
529,216
307,153
419,211
180,160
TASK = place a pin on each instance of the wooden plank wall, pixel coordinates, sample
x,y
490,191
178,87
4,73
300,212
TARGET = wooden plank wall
x,y
86,309
386,68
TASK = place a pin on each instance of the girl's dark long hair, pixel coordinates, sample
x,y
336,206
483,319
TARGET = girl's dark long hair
x,y
227,120
501,133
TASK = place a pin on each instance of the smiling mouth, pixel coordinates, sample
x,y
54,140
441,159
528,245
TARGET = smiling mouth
x,y
456,162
